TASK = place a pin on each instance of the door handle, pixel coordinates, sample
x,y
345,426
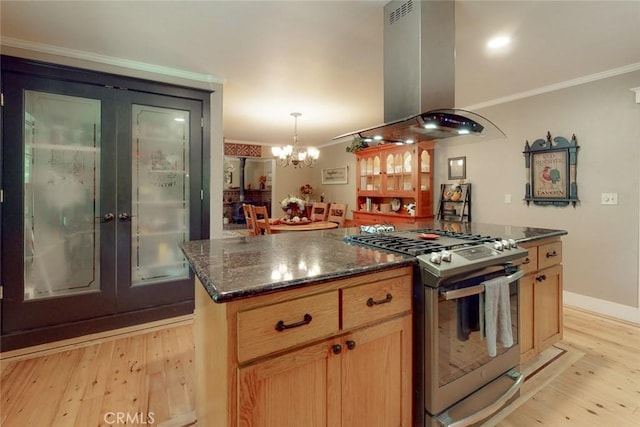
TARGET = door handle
x,y
124,216
108,217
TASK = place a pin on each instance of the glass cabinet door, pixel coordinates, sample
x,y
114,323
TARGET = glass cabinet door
x,y
58,227
62,171
100,190
160,193
159,198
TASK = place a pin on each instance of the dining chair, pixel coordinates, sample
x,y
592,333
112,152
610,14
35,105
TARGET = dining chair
x,y
261,218
250,219
338,213
319,211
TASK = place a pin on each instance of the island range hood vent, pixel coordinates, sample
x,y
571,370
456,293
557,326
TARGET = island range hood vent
x,y
419,78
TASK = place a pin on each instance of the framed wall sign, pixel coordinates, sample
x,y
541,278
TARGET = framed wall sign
x,y
457,167
551,171
335,175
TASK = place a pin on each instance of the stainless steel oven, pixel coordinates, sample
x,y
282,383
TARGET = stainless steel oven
x,y
460,376
463,383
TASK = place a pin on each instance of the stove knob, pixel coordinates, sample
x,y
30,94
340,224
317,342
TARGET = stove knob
x,y
435,258
505,244
446,256
512,243
498,246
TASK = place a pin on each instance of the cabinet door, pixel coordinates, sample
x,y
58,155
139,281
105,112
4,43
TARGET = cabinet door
x,y
58,225
376,375
300,388
76,230
526,304
548,306
158,204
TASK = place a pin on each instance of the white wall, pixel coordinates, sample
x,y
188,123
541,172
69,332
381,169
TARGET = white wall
x,y
601,253
333,156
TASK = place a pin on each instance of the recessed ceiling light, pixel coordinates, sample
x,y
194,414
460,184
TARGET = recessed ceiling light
x,y
498,42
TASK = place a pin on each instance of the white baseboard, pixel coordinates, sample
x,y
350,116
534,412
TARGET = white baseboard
x,y
605,308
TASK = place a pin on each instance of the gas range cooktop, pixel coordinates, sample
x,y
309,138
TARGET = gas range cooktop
x,y
444,253
411,243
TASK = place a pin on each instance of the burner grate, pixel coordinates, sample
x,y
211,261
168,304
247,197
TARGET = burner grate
x,y
408,242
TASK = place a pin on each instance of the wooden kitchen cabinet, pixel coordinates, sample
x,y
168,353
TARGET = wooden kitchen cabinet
x,y
391,174
336,382
324,375
540,297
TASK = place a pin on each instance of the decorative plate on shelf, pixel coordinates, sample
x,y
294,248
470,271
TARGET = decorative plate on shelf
x,y
395,205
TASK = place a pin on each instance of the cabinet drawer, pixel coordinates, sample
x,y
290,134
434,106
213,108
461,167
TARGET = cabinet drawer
x,y
549,254
374,301
530,263
275,327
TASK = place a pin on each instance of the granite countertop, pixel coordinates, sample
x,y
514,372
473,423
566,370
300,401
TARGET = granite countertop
x,y
241,267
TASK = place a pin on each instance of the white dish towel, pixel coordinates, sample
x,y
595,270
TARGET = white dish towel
x,y
497,314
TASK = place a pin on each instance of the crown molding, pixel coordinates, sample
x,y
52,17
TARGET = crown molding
x,y
108,60
557,86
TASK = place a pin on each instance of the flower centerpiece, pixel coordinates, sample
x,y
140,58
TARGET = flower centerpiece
x,y
293,207
306,191
263,180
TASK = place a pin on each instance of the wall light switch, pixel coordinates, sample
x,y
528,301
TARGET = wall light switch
x,y
507,198
609,199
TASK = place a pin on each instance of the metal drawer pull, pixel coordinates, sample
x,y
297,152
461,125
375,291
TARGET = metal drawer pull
x,y
526,261
551,254
371,302
541,277
280,326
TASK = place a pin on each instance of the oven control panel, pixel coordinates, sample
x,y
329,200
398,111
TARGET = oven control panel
x,y
462,260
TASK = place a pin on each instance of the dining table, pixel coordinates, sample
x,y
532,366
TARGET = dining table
x,y
277,226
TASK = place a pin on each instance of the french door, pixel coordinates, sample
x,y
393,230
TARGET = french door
x,y
100,187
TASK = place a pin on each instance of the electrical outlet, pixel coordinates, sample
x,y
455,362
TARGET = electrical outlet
x,y
507,198
609,199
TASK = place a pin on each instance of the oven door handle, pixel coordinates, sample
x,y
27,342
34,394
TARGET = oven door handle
x,y
475,290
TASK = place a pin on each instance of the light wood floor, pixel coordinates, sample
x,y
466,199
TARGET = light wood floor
x,y
150,376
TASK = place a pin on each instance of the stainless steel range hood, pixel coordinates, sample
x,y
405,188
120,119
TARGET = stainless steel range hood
x,y
419,78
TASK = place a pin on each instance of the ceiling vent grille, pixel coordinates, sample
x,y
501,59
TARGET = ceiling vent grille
x,y
400,12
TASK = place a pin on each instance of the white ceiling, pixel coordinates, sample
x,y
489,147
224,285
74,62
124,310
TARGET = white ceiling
x,y
324,58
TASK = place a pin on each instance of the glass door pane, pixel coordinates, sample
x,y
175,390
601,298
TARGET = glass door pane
x,y
160,193
61,195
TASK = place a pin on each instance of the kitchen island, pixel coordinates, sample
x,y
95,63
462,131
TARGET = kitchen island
x,y
301,329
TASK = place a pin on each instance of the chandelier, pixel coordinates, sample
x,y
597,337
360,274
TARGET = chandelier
x,y
294,155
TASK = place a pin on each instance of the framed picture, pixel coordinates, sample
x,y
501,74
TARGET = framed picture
x,y
457,167
335,175
551,171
